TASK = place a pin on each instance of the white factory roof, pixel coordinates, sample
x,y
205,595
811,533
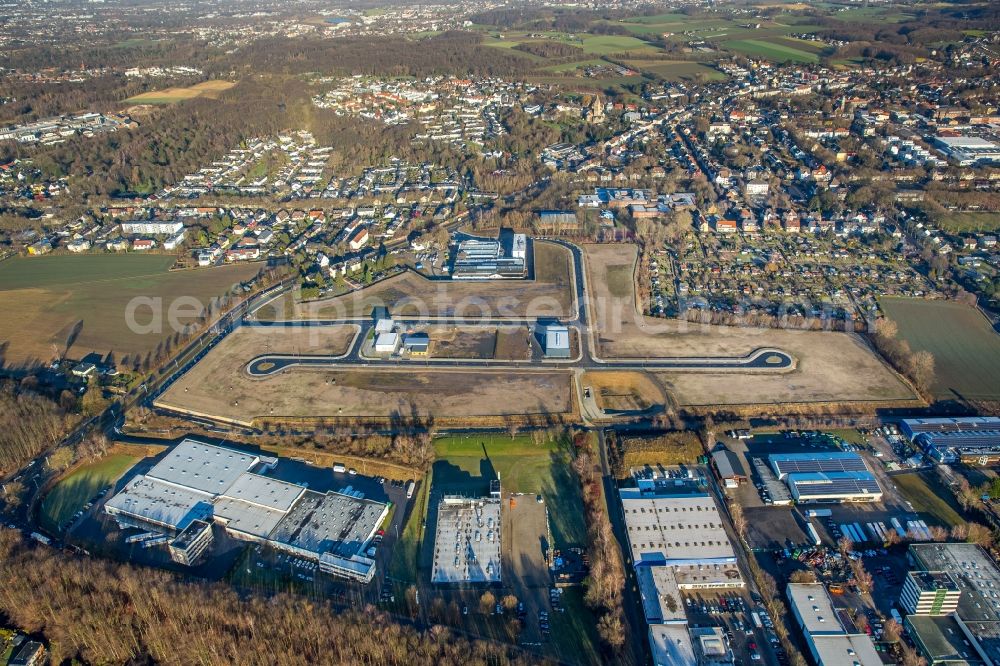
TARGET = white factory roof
x,y
204,467
557,337
830,643
250,519
675,529
655,585
847,650
814,609
671,645
966,142
387,340
265,492
161,503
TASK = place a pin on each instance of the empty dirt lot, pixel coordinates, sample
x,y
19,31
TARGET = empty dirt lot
x,y
622,390
219,387
830,366
412,295
475,343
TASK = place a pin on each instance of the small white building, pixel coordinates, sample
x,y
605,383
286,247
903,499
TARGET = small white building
x,y
519,248
78,245
386,343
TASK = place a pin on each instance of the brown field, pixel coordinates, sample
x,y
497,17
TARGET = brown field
x,y
46,299
513,344
550,294
209,89
831,366
474,343
672,448
623,390
218,386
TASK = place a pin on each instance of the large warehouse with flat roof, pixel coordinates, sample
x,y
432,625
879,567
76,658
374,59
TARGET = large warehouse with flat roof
x,y
467,541
784,464
829,641
971,440
203,482
677,542
978,579
834,487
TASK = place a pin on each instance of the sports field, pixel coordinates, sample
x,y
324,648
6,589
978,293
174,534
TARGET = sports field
x,y
69,495
210,89
966,349
830,366
49,301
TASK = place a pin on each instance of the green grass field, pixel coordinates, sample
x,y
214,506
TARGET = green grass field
x,y
964,222
870,14
771,50
468,462
675,70
44,299
406,551
966,349
70,494
929,498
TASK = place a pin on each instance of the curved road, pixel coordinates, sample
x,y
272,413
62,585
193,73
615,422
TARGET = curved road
x,y
759,359
765,358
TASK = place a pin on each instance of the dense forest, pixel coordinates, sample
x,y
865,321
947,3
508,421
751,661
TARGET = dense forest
x,y
29,424
104,613
452,53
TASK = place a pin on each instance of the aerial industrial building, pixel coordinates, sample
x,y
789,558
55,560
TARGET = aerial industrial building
x,y
977,614
677,542
834,487
831,461
969,440
488,259
197,484
930,593
555,340
834,476
829,641
467,541
941,642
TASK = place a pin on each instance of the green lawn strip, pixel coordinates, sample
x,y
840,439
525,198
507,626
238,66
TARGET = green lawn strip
x,y
769,50
929,498
70,494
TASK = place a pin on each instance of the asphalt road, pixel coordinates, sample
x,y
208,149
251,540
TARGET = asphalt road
x,y
764,358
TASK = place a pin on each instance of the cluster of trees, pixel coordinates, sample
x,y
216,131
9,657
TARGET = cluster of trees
x,y
606,581
918,367
29,424
550,49
410,445
103,612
